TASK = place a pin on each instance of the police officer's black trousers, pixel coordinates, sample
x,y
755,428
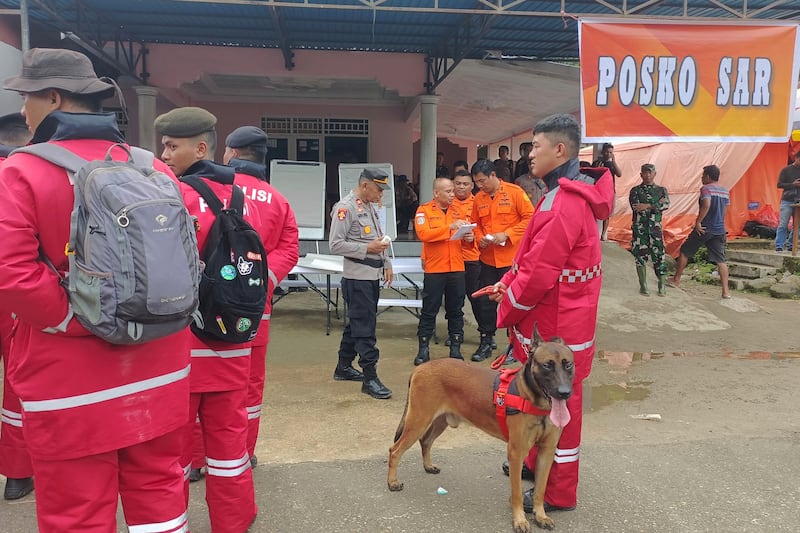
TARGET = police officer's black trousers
x,y
487,309
361,299
451,285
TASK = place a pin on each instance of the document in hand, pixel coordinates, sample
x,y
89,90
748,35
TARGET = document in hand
x,y
463,230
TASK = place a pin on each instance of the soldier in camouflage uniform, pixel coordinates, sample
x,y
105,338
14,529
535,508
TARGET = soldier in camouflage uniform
x,y
356,234
648,201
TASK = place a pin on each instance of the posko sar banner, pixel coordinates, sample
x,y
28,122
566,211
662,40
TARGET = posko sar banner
x,y
668,81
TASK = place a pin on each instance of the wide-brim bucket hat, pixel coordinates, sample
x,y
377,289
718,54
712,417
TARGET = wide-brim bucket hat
x,y
52,68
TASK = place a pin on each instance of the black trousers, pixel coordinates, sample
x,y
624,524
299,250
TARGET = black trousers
x,y
358,337
487,309
434,286
472,274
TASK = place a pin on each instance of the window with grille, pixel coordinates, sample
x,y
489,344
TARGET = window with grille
x,y
351,127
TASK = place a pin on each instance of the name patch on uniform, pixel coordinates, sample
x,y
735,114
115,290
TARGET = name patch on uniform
x,y
341,213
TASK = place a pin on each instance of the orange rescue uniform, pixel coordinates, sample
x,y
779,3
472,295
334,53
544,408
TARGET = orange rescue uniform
x,y
509,211
439,253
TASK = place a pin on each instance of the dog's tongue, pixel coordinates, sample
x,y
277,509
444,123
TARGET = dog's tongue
x,y
559,415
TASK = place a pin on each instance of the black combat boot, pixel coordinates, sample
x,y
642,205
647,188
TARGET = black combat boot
x,y
345,372
373,386
484,350
455,346
424,352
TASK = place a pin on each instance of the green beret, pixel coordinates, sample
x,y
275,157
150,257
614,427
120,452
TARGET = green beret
x,y
185,122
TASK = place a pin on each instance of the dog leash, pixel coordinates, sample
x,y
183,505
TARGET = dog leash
x,y
523,342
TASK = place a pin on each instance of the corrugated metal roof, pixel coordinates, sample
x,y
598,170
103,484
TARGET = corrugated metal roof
x,y
531,28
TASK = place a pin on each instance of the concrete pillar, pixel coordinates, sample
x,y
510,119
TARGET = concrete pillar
x,y
147,115
427,146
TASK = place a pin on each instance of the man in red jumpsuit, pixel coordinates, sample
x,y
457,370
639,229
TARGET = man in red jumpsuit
x,y
246,152
15,463
220,370
554,282
102,422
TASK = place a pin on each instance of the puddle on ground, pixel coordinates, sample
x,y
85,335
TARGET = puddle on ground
x,y
599,396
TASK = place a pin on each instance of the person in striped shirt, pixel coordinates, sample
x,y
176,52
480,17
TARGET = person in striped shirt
x,y
709,229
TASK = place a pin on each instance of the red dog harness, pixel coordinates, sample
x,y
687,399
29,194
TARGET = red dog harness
x,y
511,403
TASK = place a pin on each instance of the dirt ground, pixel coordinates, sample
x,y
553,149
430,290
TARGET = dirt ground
x,y
725,456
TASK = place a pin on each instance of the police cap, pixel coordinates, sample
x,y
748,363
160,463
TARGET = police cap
x,y
246,136
376,176
185,122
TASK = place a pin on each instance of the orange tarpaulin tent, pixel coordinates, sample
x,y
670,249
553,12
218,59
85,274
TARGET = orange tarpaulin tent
x,y
749,170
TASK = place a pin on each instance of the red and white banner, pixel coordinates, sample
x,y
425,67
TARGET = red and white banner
x,y
669,81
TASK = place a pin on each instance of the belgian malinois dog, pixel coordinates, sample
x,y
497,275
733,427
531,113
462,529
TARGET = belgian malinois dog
x,y
444,392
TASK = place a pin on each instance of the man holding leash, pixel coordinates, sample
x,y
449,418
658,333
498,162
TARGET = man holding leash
x,y
554,281
356,234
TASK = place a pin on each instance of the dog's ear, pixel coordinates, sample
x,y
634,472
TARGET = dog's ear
x,y
558,340
537,337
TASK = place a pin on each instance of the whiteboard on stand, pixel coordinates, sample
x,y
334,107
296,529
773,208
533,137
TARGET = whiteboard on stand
x,y
348,180
303,185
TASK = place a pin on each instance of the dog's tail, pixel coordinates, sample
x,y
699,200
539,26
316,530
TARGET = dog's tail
x,y
403,418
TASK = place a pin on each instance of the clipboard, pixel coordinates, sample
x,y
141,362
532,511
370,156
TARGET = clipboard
x,y
463,230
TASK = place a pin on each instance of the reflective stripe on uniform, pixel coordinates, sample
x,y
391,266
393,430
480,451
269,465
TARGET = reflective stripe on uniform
x,y
580,276
57,404
582,346
265,316
182,523
227,468
225,354
272,277
513,300
186,470
11,418
567,456
254,411
547,202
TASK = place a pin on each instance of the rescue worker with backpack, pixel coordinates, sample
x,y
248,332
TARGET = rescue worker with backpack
x,y
103,420
222,341
246,152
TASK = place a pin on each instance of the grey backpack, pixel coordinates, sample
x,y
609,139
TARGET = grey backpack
x,y
134,267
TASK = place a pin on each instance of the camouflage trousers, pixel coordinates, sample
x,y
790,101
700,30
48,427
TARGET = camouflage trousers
x,y
648,241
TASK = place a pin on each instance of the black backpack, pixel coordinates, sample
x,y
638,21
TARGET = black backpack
x,y
233,287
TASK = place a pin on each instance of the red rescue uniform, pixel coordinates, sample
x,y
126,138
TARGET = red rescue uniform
x,y
220,372
554,284
100,421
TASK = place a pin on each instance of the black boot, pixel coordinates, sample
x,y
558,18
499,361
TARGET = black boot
x,y
373,386
455,346
16,488
346,372
484,350
424,352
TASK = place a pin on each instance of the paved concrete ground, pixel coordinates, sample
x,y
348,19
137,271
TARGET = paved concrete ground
x,y
725,456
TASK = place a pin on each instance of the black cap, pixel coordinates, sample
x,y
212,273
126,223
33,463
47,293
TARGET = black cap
x,y
246,136
377,176
185,122
649,166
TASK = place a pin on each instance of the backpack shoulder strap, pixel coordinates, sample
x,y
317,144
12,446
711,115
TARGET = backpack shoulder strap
x,y
58,155
237,200
199,185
